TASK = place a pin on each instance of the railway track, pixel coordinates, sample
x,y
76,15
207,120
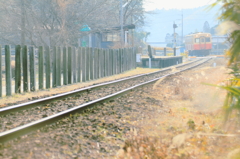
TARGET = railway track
x,y
20,119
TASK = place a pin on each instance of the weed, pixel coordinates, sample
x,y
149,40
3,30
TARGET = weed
x,y
191,124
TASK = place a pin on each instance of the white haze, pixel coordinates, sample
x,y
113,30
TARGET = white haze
x,y
175,4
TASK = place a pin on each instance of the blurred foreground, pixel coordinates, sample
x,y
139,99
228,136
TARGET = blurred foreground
x,y
192,124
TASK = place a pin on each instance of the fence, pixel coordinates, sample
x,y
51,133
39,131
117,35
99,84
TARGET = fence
x,y
29,68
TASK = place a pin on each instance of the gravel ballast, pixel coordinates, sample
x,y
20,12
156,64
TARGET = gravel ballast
x,y
26,116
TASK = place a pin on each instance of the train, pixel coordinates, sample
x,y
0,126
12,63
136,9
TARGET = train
x,y
198,44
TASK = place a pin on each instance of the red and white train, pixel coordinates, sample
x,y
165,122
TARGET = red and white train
x,y
198,44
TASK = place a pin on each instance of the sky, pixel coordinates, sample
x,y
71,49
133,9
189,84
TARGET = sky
x,y
194,12
175,4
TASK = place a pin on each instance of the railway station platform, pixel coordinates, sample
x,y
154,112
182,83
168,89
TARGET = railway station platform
x,y
160,61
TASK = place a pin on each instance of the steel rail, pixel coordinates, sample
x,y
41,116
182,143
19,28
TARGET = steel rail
x,y
25,129
27,105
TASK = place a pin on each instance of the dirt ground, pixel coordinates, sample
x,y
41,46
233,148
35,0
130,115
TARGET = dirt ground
x,y
178,117
192,125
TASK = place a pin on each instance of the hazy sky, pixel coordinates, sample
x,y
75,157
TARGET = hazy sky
x,y
175,4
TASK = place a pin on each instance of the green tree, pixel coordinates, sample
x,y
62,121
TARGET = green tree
x,y
206,27
230,25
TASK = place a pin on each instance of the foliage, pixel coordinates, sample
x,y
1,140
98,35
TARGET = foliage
x,y
140,38
230,25
169,45
191,124
206,27
58,22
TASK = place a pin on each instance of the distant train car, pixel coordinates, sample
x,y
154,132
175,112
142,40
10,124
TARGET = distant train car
x,y
198,44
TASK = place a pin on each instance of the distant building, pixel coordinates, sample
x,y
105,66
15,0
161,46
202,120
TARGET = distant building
x,y
219,44
169,39
106,38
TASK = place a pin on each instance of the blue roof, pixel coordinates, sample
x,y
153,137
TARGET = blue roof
x,y
85,28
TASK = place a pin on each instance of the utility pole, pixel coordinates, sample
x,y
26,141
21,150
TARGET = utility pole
x,y
132,31
122,6
182,26
174,34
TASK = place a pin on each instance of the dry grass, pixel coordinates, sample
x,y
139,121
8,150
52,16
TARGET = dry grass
x,y
191,123
28,96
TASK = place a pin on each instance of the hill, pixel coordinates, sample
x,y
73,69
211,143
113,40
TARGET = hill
x,y
160,22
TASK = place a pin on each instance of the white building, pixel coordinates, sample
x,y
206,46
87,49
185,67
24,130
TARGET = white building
x,y
219,44
169,39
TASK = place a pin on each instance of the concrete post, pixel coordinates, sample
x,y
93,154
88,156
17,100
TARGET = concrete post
x,y
40,67
8,70
0,71
54,67
18,69
65,66
83,61
48,67
79,64
32,69
69,65
59,67
25,68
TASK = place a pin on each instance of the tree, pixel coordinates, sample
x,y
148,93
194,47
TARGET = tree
x,y
213,30
230,25
141,37
58,22
134,12
206,27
